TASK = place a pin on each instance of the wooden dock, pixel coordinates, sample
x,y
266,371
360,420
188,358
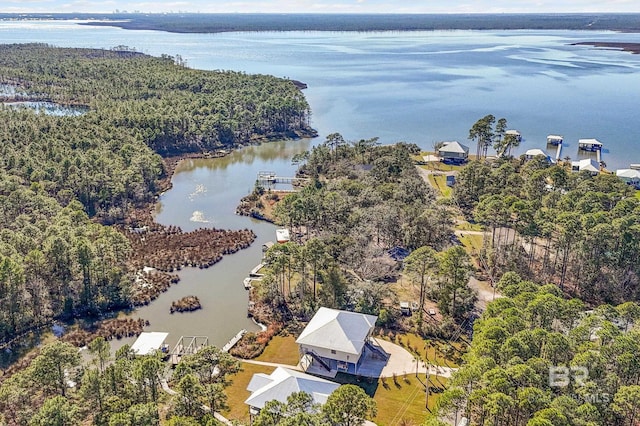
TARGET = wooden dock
x,y
235,339
187,345
270,179
254,272
559,151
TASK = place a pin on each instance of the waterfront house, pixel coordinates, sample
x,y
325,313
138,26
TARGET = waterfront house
x,y
532,153
588,164
630,176
589,144
554,140
453,151
338,341
282,383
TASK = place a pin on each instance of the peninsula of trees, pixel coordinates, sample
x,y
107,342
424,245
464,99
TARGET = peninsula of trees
x,y
64,175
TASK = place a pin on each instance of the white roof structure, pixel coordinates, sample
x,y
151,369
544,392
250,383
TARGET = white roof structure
x,y
148,342
430,158
533,152
512,132
282,383
282,235
454,146
588,164
628,173
338,330
554,138
593,142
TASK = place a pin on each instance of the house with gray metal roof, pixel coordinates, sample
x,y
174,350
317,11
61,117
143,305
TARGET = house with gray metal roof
x,y
338,341
453,151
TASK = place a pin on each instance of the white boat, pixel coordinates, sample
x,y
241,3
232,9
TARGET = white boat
x,y
282,235
247,283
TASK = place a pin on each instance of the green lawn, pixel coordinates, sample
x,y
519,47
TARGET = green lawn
x,y
471,242
440,182
400,400
282,350
463,225
405,399
237,392
637,194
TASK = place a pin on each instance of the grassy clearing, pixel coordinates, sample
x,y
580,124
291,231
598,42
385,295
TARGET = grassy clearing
x,y
440,182
463,225
471,242
405,399
400,399
281,350
237,392
637,194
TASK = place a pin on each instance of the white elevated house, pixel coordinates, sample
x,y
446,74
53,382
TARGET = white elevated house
x,y
453,151
532,153
630,176
338,341
282,383
588,164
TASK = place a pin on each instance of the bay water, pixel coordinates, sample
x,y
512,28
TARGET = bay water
x,y
420,87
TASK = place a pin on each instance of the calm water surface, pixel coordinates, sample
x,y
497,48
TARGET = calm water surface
x,y
419,87
205,193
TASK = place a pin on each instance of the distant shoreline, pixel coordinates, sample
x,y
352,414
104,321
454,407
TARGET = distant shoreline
x,y
241,22
626,47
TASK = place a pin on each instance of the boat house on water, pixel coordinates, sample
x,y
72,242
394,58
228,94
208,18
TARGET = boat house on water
x,y
554,140
514,134
589,144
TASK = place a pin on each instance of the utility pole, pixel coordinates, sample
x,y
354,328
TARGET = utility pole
x,y
426,404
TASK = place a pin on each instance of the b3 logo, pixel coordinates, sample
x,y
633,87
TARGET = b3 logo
x,y
561,376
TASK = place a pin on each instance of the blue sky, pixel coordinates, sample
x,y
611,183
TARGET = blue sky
x,y
323,6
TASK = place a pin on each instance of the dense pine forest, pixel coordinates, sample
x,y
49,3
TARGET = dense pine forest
x,y
573,229
540,359
64,175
